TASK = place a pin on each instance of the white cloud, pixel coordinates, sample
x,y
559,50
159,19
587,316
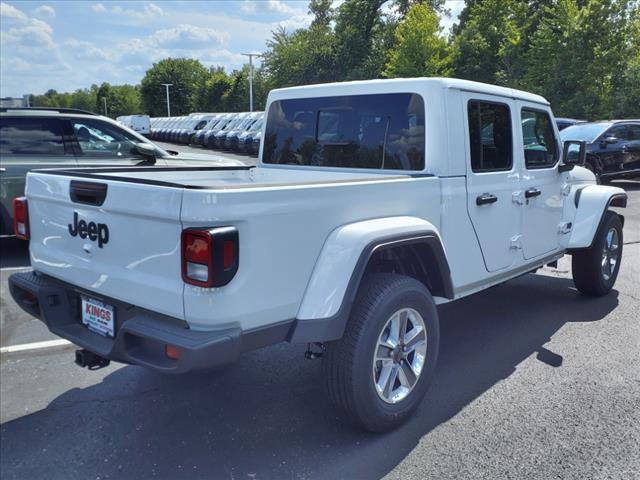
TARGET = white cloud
x,y
35,33
149,11
281,7
296,22
98,8
88,51
185,34
277,6
248,7
45,11
10,12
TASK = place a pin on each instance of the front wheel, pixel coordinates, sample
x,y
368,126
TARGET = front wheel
x,y
380,370
595,269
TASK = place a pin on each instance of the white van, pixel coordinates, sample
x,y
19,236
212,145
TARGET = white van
x,y
137,123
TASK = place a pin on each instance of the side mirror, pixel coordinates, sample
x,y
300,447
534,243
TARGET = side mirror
x,y
574,153
146,150
608,141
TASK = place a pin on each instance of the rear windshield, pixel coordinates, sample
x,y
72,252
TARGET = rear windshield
x,y
381,131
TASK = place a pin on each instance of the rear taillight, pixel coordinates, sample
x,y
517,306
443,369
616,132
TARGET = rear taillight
x,y
21,218
209,256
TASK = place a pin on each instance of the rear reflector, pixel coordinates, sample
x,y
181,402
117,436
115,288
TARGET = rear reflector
x,y
172,352
209,256
21,218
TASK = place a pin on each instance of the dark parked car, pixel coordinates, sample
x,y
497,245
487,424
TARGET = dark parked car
x,y
563,123
245,139
34,138
231,141
613,147
254,147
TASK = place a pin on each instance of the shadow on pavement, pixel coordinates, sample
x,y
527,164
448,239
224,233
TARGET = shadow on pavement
x,y
268,416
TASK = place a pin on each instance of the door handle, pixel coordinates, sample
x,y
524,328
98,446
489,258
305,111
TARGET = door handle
x,y
532,192
486,198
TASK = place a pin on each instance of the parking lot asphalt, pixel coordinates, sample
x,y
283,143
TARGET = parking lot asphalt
x,y
534,381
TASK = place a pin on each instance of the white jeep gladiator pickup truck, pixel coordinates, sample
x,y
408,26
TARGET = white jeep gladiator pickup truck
x,y
372,203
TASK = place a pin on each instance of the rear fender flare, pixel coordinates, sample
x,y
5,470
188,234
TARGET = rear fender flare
x,y
342,262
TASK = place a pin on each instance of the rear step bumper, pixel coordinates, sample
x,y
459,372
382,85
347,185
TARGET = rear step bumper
x,y
141,336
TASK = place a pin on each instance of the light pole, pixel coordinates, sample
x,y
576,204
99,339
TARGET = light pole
x,y
104,100
251,55
167,85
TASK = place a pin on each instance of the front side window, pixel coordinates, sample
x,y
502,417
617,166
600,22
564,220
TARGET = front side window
x,y
101,139
540,146
379,131
634,132
32,136
620,132
490,136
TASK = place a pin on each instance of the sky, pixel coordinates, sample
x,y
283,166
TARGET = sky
x,y
73,44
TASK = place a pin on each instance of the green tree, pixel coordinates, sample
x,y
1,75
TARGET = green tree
x,y
305,56
359,31
627,80
579,53
420,49
84,99
187,76
236,98
491,44
404,6
120,100
213,89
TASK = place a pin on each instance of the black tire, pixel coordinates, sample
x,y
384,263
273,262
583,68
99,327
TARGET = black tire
x,y
348,362
588,274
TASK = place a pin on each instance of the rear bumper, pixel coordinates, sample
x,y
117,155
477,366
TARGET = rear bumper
x,y
141,335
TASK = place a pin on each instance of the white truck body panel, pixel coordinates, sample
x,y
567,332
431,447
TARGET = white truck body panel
x,y
339,255
140,264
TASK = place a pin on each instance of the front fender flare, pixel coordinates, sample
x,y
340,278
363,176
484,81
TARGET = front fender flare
x,y
336,276
591,204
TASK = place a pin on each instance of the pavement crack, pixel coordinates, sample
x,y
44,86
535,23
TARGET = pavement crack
x,y
632,243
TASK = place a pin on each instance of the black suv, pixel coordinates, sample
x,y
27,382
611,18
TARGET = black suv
x,y
613,147
34,138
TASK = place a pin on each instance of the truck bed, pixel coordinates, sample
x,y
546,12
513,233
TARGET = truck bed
x,y
223,178
283,216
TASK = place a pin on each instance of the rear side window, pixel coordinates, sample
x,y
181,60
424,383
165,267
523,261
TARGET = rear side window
x,y
540,146
490,136
31,136
634,132
381,131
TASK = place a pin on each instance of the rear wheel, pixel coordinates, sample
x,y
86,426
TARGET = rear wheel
x,y
380,370
595,269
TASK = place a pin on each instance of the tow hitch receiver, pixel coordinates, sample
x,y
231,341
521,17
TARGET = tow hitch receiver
x,y
93,361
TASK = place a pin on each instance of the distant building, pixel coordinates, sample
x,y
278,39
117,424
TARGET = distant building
x,y
9,102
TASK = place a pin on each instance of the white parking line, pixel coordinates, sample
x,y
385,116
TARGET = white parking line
x,y
9,269
25,347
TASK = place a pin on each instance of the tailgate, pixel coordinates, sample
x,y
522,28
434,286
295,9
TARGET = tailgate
x,y
131,245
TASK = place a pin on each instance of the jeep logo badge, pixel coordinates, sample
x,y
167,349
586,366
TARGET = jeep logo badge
x,y
95,231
